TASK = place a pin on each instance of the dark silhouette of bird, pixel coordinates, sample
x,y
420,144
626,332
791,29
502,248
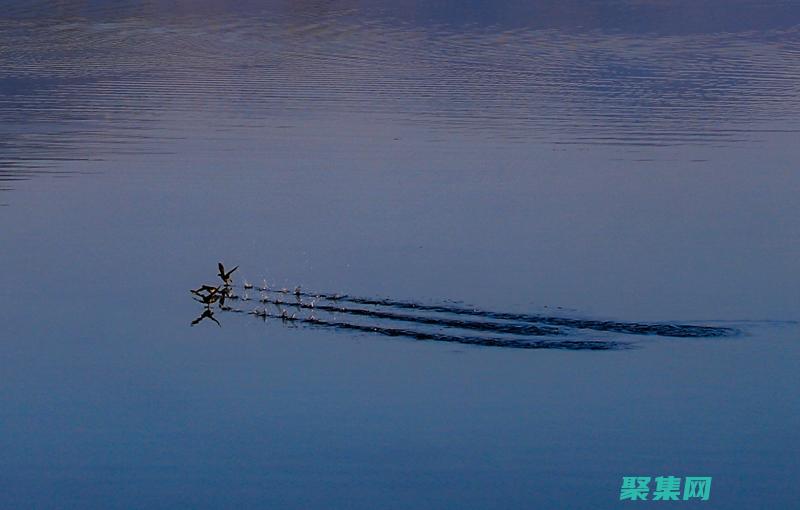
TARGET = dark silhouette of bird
x,y
208,299
226,277
209,295
205,289
207,314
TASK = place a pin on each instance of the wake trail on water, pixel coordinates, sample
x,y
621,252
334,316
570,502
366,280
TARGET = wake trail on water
x,y
439,322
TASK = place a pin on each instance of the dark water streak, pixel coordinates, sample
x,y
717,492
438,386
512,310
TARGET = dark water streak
x,y
632,328
511,343
495,331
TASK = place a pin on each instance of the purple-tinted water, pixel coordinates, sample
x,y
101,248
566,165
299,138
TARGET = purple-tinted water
x,y
595,161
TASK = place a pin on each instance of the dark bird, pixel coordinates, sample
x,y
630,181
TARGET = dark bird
x,y
207,314
208,299
205,289
226,277
209,295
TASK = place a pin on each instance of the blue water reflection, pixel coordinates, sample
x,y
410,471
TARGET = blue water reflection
x,y
604,162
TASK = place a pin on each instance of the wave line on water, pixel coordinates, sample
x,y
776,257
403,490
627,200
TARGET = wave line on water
x,y
432,322
512,343
631,328
516,329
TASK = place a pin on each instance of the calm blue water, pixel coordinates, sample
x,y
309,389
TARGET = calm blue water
x,y
625,161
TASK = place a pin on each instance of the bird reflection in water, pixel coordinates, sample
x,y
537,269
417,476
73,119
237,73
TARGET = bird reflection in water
x,y
208,313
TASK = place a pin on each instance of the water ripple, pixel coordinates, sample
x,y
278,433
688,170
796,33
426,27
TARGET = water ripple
x,y
80,85
445,322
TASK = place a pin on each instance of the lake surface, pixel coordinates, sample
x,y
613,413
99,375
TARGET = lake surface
x,y
616,162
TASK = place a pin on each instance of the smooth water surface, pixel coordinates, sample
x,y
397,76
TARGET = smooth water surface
x,y
620,161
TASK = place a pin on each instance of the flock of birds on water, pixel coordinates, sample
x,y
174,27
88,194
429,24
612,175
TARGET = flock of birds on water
x,y
430,322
